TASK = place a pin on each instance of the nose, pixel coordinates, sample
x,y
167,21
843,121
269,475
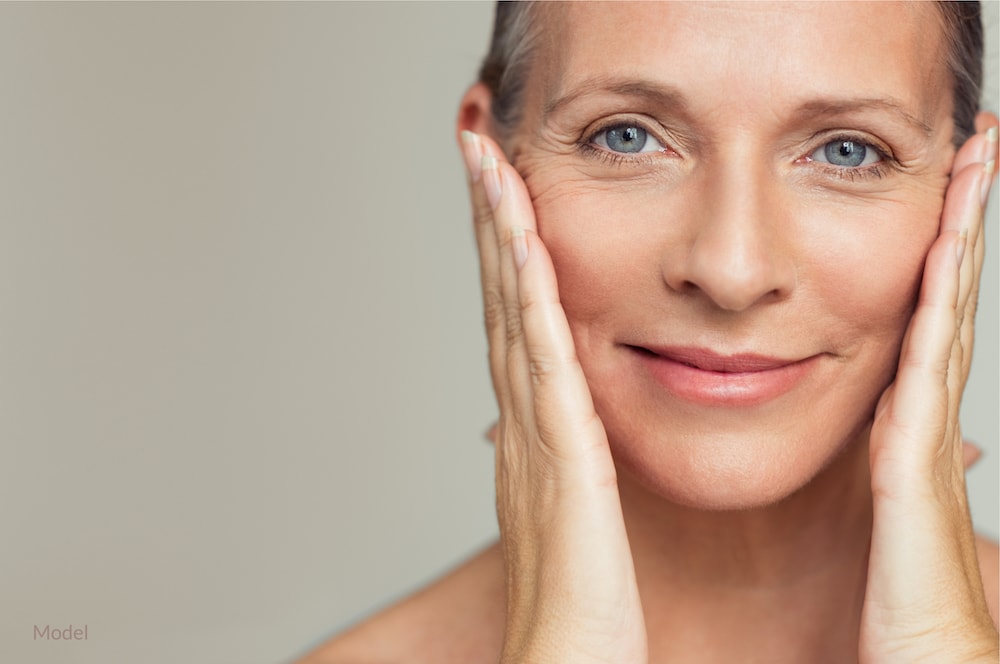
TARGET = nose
x,y
735,249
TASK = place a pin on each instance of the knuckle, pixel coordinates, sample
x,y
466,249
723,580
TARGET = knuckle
x,y
936,364
514,331
494,310
972,304
482,213
531,302
540,371
545,366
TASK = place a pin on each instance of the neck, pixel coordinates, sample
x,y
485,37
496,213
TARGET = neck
x,y
788,576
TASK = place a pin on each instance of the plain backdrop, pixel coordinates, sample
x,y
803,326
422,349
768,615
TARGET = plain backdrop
x,y
243,381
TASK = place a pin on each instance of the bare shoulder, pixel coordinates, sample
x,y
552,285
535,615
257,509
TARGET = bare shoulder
x,y
989,567
457,618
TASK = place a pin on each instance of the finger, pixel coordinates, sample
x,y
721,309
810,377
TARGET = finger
x,y
991,154
568,424
980,147
920,403
963,198
963,209
971,276
473,150
962,212
967,330
512,208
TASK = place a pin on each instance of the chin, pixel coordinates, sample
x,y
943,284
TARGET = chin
x,y
726,473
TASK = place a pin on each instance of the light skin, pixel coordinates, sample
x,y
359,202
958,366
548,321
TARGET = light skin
x,y
826,522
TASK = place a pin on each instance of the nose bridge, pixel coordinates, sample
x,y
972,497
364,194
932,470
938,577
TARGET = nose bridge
x,y
735,253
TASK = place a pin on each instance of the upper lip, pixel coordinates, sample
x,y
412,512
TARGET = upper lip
x,y
709,360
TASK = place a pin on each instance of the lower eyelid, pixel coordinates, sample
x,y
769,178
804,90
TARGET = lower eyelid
x,y
620,159
875,171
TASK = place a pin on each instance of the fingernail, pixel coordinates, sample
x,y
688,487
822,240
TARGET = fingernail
x,y
520,245
491,180
984,190
960,243
472,150
989,145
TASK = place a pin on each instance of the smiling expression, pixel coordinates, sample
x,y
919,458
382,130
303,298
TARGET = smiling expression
x,y
738,199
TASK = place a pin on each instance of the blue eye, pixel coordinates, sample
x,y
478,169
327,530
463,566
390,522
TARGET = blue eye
x,y
627,139
847,154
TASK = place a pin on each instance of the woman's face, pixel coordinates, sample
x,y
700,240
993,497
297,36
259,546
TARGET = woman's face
x,y
738,199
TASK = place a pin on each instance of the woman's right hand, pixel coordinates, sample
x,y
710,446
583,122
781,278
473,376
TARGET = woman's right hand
x,y
571,588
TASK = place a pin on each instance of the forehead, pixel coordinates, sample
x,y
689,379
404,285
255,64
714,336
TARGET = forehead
x,y
735,55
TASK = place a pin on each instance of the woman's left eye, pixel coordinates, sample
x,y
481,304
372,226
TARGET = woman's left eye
x,y
627,139
847,154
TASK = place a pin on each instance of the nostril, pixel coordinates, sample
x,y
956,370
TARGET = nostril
x,y
732,258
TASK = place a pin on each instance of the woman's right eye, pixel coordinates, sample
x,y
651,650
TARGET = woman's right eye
x,y
627,139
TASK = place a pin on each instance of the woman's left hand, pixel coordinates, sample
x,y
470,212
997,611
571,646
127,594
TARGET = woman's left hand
x,y
924,599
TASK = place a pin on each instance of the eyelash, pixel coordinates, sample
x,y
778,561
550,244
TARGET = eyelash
x,y
620,159
616,158
874,171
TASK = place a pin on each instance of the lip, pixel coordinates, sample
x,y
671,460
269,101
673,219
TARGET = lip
x,y
704,377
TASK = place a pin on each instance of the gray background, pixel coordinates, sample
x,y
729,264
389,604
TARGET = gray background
x,y
243,382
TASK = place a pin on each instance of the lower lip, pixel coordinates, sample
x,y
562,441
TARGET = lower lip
x,y
717,388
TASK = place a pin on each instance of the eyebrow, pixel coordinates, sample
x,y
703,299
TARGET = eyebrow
x,y
838,106
657,93
666,96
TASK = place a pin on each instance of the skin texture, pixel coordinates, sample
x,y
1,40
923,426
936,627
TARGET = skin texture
x,y
828,523
733,242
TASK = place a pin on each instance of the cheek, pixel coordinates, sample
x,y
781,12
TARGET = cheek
x,y
865,268
605,237
859,265
600,239
859,260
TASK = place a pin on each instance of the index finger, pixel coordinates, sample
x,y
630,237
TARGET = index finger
x,y
473,150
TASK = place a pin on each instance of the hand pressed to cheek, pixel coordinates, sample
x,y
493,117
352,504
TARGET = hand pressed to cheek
x,y
924,587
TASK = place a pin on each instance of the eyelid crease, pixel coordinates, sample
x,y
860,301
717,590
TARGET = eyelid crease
x,y
821,138
878,170
886,164
669,142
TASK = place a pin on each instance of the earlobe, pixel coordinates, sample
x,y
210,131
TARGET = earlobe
x,y
474,113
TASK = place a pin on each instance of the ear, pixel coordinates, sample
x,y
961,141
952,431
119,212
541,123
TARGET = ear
x,y
474,113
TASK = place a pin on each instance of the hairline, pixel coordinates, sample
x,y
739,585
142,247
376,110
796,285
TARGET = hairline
x,y
523,24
